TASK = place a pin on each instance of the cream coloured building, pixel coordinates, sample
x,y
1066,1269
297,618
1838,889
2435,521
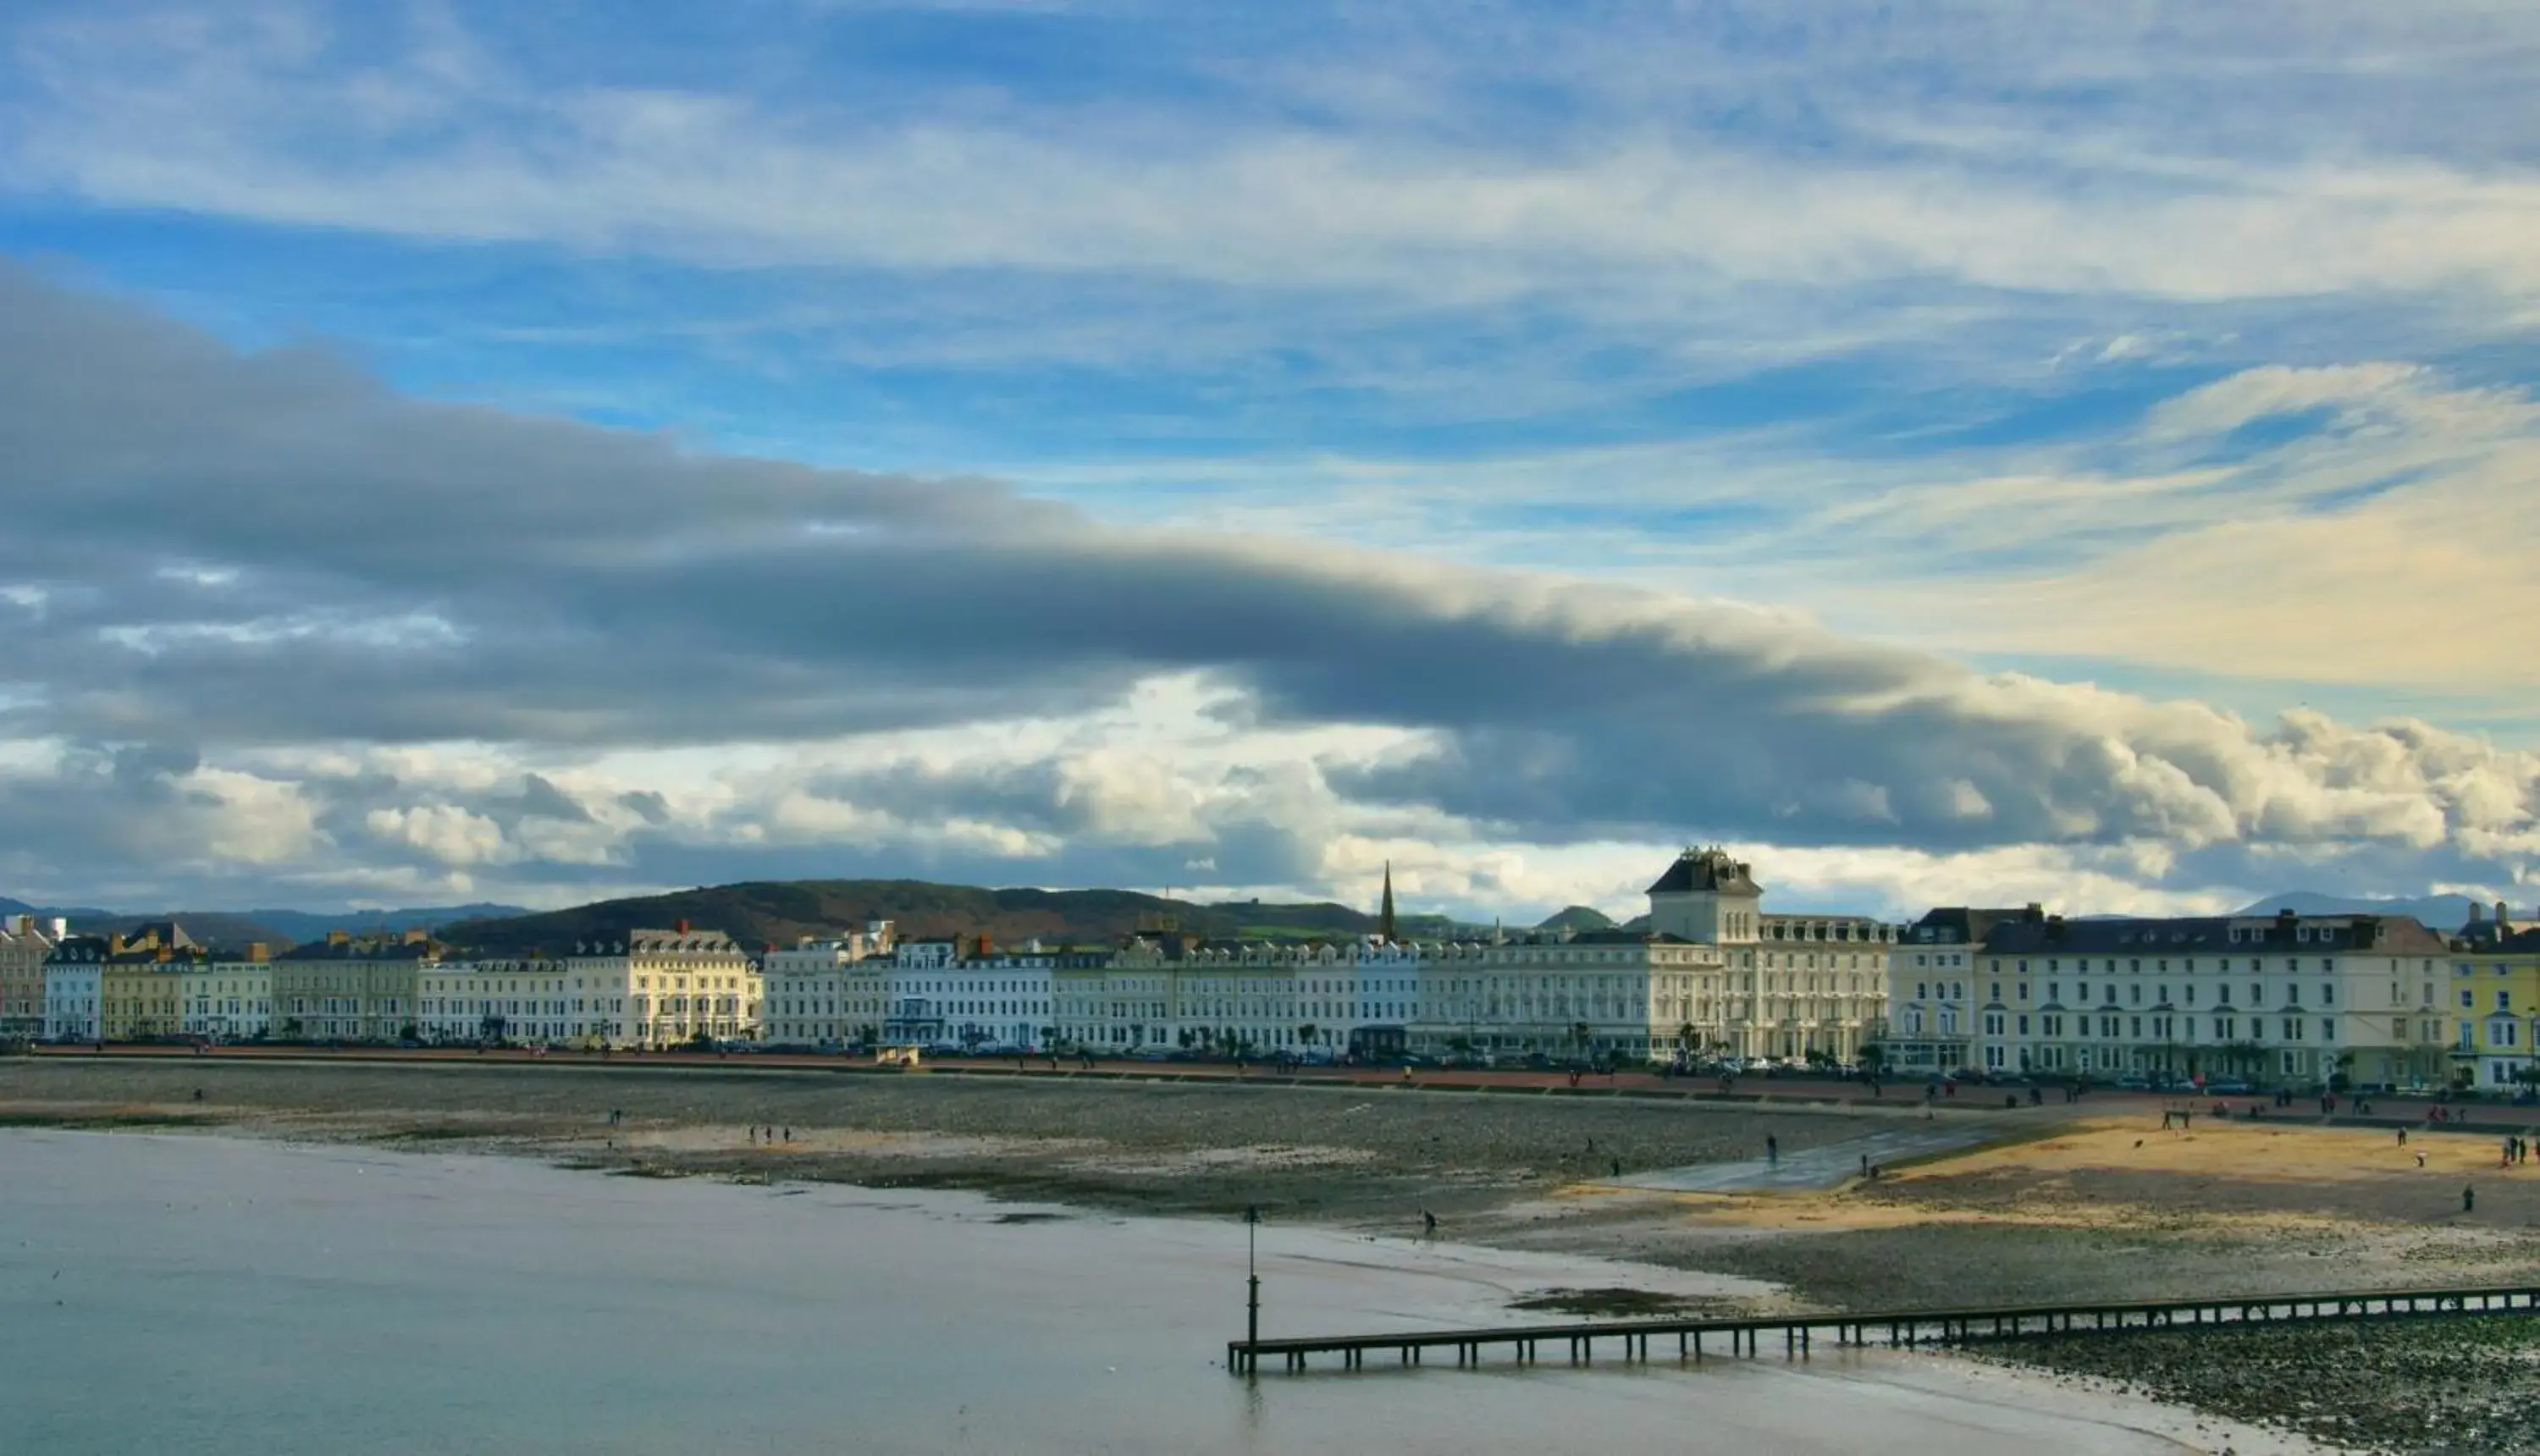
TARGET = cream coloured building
x,y
26,944
229,998
666,987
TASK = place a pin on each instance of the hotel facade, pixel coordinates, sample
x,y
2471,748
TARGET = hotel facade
x,y
2274,999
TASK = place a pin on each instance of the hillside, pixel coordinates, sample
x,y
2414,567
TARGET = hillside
x,y
778,912
1577,918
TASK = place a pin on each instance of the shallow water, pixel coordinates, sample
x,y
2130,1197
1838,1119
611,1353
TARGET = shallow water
x,y
196,1294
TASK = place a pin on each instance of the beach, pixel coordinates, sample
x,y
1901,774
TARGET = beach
x,y
2044,1205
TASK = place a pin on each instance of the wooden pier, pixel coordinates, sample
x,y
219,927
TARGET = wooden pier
x,y
1640,1341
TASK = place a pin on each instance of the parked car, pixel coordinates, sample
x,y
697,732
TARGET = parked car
x,y
2229,1086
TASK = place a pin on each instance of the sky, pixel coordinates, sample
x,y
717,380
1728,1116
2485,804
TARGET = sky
x,y
1950,453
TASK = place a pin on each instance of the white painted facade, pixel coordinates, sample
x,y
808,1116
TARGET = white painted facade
x,y
517,1000
990,999
74,988
229,998
2270,999
830,993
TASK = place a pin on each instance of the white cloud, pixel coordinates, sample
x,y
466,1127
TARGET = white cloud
x,y
444,832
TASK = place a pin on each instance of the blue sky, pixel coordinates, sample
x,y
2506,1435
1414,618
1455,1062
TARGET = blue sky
x,y
2169,356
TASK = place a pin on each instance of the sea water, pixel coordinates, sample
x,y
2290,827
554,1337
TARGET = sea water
x,y
180,1294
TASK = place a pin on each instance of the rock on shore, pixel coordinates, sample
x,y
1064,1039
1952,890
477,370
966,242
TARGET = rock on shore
x,y
2447,1386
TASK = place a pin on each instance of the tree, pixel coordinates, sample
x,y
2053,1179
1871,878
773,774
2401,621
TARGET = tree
x,y
1307,1033
2243,1057
1871,1056
1579,1035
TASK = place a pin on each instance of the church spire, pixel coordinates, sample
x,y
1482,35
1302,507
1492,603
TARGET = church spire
x,y
1385,914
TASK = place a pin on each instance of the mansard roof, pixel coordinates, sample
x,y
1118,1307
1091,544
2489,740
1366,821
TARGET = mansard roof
x,y
1710,870
2392,934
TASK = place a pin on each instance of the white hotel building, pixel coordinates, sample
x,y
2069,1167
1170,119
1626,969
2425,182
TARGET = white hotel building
x,y
989,998
2282,997
75,988
830,993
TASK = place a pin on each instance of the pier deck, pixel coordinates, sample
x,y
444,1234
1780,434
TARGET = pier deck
x,y
1695,1339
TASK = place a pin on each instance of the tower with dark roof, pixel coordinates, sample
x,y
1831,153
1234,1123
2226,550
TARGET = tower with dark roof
x,y
1385,912
1706,896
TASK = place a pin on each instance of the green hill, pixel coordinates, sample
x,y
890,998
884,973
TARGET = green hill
x,y
1577,918
778,912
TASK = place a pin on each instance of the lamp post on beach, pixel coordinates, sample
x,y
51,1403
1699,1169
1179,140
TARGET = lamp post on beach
x,y
1251,1275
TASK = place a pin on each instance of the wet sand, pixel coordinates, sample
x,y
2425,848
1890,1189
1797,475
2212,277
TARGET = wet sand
x,y
1373,1156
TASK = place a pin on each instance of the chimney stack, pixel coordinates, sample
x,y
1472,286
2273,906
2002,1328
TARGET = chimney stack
x,y
679,926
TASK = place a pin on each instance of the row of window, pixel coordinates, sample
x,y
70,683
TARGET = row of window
x,y
2156,1027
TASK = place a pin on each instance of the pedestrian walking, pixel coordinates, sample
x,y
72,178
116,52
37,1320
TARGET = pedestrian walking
x,y
2469,1198
2403,1137
2421,1157
1771,1148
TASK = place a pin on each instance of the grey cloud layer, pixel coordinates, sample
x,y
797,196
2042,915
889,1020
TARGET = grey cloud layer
x,y
235,553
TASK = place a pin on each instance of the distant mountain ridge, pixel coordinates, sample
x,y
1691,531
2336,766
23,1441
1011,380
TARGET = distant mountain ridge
x,y
2438,912
276,928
